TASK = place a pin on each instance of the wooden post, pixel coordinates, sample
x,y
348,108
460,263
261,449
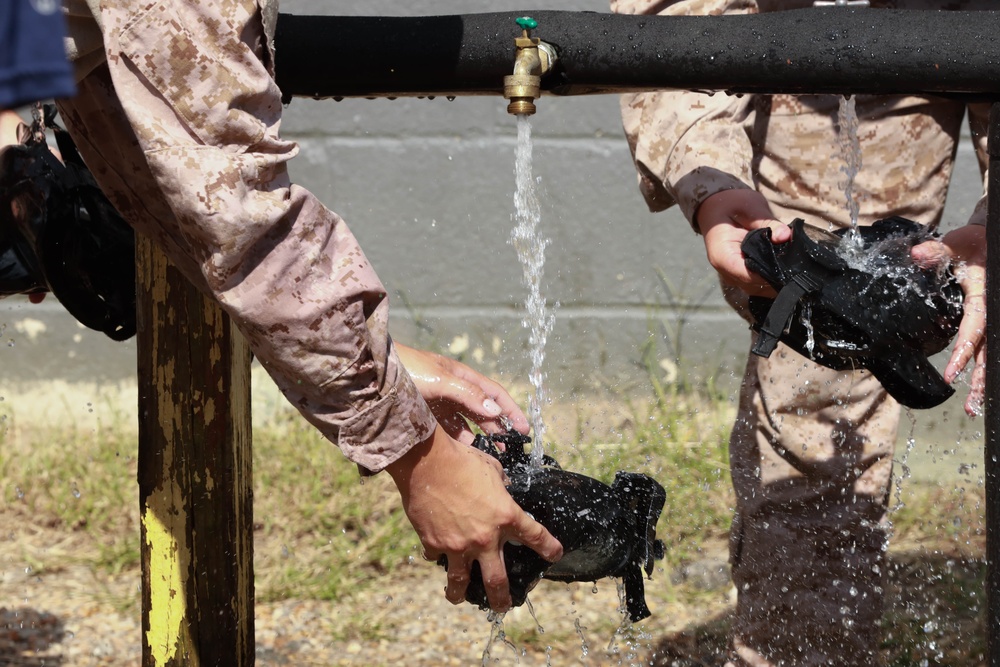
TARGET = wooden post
x,y
195,477
992,414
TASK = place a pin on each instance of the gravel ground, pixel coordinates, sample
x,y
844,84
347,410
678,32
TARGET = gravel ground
x,y
74,616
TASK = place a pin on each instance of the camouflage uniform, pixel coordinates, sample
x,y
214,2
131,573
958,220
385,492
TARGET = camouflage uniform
x,y
811,450
178,117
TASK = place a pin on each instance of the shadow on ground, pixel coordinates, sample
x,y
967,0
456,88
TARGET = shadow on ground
x,y
24,633
936,616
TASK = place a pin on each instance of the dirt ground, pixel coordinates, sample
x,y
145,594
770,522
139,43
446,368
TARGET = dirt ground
x,y
71,615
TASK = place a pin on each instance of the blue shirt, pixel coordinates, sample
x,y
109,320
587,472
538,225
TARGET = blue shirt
x,y
33,63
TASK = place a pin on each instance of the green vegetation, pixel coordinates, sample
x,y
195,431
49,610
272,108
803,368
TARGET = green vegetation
x,y
80,482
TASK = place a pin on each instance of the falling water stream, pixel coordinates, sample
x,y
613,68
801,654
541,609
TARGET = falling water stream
x,y
850,151
530,247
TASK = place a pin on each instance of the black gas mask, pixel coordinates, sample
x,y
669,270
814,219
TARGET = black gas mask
x,y
605,531
851,303
60,234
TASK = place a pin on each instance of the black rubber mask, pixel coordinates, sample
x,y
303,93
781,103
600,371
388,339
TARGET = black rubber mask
x,y
59,233
877,310
605,531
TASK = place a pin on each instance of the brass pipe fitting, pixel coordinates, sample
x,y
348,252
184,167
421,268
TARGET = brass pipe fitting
x,y
532,59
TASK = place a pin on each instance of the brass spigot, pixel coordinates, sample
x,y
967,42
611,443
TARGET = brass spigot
x,y
532,59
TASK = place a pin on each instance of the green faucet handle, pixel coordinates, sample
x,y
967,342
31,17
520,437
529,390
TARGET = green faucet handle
x,y
526,23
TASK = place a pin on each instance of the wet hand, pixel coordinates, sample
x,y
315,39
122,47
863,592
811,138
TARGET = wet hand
x,y
9,124
724,219
455,498
455,392
965,248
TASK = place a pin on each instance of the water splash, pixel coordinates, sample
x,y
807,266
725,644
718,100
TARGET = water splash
x,y
810,332
579,627
530,247
497,637
534,616
889,258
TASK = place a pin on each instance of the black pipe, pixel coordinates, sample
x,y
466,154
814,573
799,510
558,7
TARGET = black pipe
x,y
821,50
992,407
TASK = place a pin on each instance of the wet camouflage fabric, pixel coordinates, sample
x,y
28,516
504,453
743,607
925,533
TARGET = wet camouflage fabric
x,y
181,129
811,449
811,462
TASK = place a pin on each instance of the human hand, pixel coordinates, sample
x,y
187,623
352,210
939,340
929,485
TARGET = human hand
x,y
455,498
965,248
454,391
724,219
9,123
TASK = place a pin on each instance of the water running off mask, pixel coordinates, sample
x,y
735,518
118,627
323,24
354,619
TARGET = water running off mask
x,y
530,247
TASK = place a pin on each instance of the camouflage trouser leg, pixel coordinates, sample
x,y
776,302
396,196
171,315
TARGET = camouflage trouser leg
x,y
811,455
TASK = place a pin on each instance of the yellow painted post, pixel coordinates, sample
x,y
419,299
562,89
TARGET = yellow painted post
x,y
195,474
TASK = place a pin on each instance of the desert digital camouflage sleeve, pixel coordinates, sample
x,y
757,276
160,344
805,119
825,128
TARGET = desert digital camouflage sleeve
x,y
181,129
687,145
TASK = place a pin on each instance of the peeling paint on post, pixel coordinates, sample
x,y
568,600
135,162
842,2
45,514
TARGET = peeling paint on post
x,y
195,477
